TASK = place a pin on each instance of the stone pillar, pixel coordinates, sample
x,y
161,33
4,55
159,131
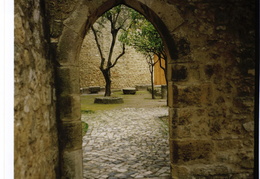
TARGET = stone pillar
x,y
70,122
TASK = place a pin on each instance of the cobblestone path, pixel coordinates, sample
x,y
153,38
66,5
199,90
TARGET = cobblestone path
x,y
126,143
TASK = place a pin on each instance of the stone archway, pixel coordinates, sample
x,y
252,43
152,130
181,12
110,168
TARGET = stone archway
x,y
68,47
211,83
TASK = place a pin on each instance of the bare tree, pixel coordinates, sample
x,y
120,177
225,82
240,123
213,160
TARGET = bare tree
x,y
118,19
151,63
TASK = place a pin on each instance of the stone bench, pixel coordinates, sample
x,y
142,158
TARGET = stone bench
x,y
141,87
94,89
129,90
84,90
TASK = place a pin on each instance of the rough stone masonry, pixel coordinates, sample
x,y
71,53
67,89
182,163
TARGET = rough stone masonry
x,y
211,73
131,69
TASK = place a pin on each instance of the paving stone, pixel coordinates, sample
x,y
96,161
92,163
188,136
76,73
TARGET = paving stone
x,y
126,143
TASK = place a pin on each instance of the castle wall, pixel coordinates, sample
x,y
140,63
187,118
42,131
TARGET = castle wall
x,y
211,72
35,131
130,70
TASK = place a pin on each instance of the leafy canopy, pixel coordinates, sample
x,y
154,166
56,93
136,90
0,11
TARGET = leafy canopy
x,y
143,36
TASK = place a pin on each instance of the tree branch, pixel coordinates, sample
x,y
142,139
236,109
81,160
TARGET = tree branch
x,y
160,61
99,48
119,56
114,34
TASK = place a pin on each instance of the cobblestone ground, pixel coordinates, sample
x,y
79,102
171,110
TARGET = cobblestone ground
x,y
126,143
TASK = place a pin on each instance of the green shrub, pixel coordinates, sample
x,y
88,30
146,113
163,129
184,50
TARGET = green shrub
x,y
84,127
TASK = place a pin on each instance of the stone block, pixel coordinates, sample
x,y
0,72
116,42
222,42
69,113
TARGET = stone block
x,y
197,121
183,47
226,145
213,70
180,171
94,89
72,164
189,96
249,126
69,107
71,135
172,95
245,104
179,73
67,53
192,151
77,19
129,90
247,175
197,95
211,171
180,121
164,91
84,90
68,80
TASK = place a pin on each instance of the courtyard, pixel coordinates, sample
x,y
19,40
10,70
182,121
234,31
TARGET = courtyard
x,y
128,140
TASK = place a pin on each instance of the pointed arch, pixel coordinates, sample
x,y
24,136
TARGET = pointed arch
x,y
74,30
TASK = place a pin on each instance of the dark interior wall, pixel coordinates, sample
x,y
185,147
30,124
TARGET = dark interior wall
x,y
214,89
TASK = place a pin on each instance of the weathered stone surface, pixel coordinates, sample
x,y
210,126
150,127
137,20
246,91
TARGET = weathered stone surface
x,y
71,107
164,91
67,80
187,151
94,89
113,147
211,170
193,95
35,133
179,73
131,62
108,100
249,126
72,164
68,52
72,135
129,90
213,43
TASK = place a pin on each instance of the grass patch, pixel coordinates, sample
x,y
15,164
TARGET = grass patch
x,y
84,127
88,106
140,99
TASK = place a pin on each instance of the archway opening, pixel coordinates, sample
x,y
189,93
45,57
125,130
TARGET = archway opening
x,y
68,93
127,140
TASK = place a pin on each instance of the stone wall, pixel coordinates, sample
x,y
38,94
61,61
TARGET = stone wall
x,y
211,72
35,131
212,112
130,70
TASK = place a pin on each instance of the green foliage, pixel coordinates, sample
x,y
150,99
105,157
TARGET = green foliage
x,y
143,36
84,127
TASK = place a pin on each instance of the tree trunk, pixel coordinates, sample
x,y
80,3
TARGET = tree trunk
x,y
106,74
153,97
